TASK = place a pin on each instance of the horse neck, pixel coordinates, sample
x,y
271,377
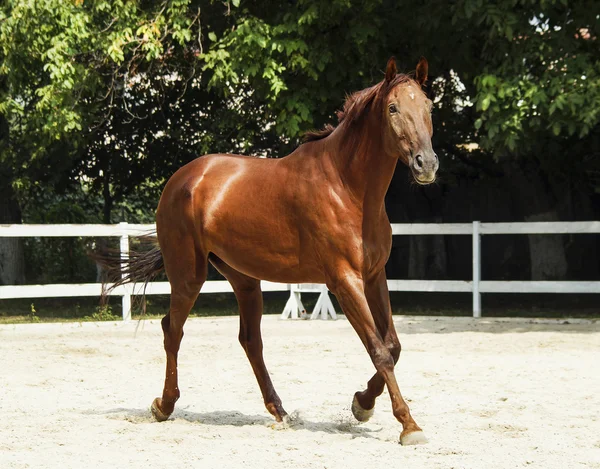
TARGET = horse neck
x,y
364,166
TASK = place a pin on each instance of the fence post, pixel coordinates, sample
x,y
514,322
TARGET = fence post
x,y
324,306
124,248
294,307
476,270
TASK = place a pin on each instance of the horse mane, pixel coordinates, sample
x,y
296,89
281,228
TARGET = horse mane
x,y
356,105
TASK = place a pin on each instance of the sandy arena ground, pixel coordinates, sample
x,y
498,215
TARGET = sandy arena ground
x,y
488,393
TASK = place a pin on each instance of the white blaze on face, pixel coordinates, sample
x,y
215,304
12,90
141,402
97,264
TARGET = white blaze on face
x,y
411,94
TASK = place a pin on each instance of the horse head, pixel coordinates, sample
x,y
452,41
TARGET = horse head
x,y
407,114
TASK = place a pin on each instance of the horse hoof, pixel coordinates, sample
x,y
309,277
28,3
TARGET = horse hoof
x,y
286,420
156,412
360,414
414,438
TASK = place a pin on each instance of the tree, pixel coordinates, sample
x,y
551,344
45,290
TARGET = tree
x,y
112,97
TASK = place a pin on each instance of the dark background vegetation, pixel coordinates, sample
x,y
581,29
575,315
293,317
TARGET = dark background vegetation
x,y
101,101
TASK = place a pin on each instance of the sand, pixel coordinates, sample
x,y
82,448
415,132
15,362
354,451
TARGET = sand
x,y
488,394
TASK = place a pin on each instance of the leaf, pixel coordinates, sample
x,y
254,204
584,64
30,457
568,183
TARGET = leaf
x,y
212,36
511,143
485,103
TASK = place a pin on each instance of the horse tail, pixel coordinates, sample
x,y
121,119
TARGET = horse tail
x,y
139,267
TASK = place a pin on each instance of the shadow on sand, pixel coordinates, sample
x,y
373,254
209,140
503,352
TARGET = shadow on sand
x,y
238,419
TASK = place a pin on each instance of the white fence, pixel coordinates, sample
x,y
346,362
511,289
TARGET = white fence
x,y
477,286
324,308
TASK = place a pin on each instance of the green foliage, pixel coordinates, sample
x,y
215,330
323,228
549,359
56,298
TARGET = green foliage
x,y
62,66
102,313
109,98
541,75
33,317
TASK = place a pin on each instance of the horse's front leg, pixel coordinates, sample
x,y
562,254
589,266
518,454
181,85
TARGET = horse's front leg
x,y
378,298
350,292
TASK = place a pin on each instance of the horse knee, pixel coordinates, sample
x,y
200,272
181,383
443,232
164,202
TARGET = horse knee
x,y
172,335
381,358
242,339
165,322
250,345
395,348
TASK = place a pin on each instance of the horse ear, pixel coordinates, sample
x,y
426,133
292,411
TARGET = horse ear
x,y
390,69
422,69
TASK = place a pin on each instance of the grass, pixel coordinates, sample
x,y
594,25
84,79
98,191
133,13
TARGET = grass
x,y
224,304
20,311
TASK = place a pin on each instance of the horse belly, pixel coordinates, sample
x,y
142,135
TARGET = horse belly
x,y
272,259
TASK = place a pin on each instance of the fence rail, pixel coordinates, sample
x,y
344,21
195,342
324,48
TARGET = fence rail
x,y
475,286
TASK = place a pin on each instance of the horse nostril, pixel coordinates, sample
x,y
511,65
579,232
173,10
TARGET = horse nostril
x,y
419,162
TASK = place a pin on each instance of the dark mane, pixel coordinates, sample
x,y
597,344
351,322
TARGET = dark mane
x,y
356,105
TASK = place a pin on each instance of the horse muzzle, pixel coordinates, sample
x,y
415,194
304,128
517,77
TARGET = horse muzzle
x,y
424,167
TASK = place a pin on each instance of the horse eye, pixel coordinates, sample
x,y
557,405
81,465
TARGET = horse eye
x,y
393,109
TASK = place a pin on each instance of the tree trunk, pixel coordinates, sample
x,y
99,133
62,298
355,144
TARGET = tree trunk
x,y
12,259
427,257
538,203
547,252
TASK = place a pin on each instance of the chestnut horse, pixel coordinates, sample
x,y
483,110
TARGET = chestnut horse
x,y
263,219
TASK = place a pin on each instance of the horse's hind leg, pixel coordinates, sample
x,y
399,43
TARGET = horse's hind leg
x,y
250,302
186,269
378,298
